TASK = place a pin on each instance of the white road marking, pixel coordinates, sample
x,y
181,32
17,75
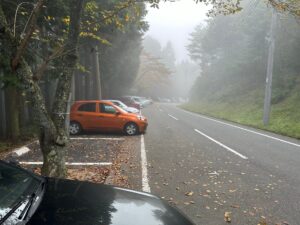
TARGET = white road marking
x,y
222,145
214,173
245,129
91,138
172,117
21,151
33,142
145,181
73,163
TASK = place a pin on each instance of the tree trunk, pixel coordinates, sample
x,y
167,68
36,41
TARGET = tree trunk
x,y
23,112
50,142
53,134
13,113
54,156
3,118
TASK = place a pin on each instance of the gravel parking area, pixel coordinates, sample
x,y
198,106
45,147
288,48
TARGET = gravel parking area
x,y
99,158
93,149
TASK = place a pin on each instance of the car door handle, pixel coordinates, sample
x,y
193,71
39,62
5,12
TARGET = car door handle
x,y
79,115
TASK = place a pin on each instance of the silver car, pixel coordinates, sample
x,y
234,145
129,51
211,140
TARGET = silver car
x,y
123,106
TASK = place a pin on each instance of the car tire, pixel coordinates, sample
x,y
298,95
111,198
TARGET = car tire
x,y
131,129
75,128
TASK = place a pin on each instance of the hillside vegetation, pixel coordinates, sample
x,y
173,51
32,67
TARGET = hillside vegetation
x,y
248,110
232,52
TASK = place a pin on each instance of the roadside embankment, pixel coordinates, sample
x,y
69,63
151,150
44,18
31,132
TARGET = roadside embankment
x,y
284,118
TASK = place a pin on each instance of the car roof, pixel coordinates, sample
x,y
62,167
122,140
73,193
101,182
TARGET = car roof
x,y
112,100
90,101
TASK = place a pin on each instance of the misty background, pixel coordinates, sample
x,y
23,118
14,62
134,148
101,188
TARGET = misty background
x,y
177,54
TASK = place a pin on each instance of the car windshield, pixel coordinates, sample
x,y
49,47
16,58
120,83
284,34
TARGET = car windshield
x,y
120,104
137,99
15,186
120,109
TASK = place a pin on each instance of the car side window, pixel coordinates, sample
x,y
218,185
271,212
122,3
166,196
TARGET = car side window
x,y
104,108
88,107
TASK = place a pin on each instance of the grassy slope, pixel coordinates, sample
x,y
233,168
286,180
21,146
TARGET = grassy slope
x,y
248,110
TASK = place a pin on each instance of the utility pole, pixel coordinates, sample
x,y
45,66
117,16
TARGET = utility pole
x,y
98,75
268,90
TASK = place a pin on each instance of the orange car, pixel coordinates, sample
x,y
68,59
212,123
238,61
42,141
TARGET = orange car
x,y
104,116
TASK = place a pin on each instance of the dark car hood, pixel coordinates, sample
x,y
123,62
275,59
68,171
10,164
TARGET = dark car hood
x,y
73,202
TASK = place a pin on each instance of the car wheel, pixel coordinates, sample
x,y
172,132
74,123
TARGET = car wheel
x,y
74,128
131,129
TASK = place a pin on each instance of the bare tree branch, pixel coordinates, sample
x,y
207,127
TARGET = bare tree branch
x,y
43,67
24,42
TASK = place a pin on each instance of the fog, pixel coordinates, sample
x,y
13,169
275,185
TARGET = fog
x,y
174,21
175,51
168,35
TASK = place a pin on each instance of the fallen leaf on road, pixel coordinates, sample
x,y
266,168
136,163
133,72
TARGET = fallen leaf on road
x,y
189,193
262,222
251,214
227,217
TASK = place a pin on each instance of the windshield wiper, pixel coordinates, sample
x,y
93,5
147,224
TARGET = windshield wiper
x,y
31,200
13,209
27,208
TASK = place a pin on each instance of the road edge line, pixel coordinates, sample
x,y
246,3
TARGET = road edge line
x,y
241,128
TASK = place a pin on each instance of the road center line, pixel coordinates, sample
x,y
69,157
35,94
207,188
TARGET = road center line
x,y
222,145
73,163
172,117
145,181
241,128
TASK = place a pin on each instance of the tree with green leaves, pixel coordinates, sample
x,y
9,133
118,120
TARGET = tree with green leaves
x,y
62,29
119,61
232,53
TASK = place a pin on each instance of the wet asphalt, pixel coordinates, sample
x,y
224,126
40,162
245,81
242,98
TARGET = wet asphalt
x,y
195,171
204,167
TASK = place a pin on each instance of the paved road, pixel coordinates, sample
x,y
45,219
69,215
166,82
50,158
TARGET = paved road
x,y
207,167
